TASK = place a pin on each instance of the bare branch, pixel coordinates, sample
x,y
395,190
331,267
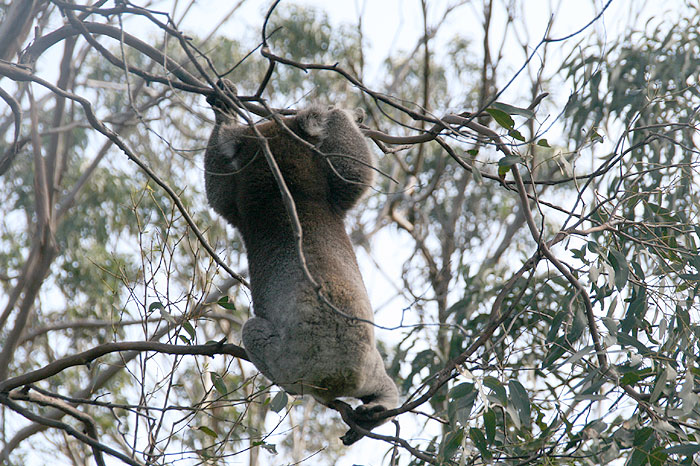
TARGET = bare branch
x,y
90,355
5,399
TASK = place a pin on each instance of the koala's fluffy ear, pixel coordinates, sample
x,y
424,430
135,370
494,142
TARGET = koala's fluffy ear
x,y
313,121
359,115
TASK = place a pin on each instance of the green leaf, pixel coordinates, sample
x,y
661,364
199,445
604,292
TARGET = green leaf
x,y
515,134
189,329
593,246
490,425
619,264
462,398
521,401
506,162
279,402
641,435
501,117
185,340
207,431
635,310
556,351
556,325
630,378
543,143
578,325
512,110
628,340
451,444
685,450
461,390
657,457
219,384
226,304
480,442
638,458
499,390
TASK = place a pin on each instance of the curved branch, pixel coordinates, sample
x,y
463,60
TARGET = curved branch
x,y
90,355
46,400
191,83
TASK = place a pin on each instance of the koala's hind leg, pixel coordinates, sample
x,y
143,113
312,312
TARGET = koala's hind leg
x,y
378,394
262,343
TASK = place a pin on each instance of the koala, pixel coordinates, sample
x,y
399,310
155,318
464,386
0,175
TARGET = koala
x,y
295,340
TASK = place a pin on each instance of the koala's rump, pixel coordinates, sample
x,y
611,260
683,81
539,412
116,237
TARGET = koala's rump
x,y
321,352
330,358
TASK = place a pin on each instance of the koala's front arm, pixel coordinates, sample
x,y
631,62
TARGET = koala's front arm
x,y
295,339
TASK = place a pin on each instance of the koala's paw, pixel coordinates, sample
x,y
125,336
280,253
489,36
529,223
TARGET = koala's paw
x,y
368,410
363,416
227,87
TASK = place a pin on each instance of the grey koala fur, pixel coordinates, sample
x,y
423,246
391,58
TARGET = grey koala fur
x,y
296,340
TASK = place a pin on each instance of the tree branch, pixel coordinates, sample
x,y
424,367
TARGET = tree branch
x,y
5,399
90,355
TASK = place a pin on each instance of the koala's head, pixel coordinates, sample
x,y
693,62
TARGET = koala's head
x,y
319,122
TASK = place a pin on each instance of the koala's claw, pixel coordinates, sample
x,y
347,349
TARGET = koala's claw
x,y
363,416
366,411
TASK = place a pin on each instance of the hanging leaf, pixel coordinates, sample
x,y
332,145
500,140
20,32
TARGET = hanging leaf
x,y
451,444
506,163
512,110
189,329
490,425
219,384
480,442
521,401
619,264
515,134
279,402
501,117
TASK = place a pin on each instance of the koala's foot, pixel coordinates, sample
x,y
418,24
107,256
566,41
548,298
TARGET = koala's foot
x,y
364,416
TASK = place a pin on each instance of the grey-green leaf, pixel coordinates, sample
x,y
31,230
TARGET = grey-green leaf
x,y
520,399
279,402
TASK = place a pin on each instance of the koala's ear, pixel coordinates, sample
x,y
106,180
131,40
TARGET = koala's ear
x,y
359,115
313,121
219,106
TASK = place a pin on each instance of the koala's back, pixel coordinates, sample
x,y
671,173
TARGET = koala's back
x,y
295,339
